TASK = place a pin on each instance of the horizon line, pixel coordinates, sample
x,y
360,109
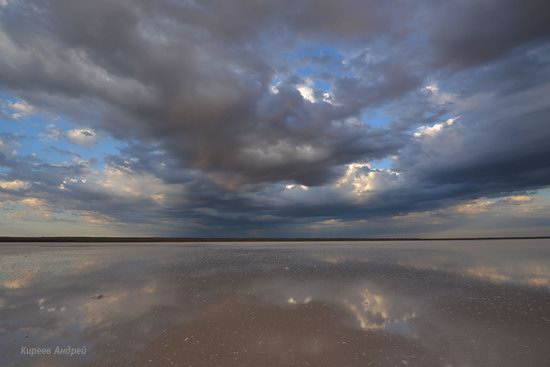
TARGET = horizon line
x,y
248,239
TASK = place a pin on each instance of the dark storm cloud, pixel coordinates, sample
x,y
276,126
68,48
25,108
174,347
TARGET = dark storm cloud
x,y
196,77
467,33
499,147
207,89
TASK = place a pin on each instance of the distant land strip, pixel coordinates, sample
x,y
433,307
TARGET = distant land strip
x,y
249,239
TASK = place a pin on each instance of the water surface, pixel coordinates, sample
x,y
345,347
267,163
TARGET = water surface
x,y
444,303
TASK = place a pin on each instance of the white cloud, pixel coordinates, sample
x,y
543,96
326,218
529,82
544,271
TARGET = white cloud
x,y
427,130
477,206
302,187
95,219
283,151
14,185
360,179
85,136
329,98
124,183
33,208
307,91
437,96
330,223
520,198
17,110
35,203
21,109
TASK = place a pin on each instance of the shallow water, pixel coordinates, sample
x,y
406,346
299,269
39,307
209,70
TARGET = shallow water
x,y
454,303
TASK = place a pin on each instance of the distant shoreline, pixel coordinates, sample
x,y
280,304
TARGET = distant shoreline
x,y
246,239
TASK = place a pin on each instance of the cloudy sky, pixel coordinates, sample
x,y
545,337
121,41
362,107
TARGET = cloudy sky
x,y
275,118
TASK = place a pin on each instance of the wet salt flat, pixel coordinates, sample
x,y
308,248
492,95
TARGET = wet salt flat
x,y
444,303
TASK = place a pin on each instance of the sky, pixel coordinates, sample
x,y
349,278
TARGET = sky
x,y
255,118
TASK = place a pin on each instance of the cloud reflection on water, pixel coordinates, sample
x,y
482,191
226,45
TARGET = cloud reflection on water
x,y
454,303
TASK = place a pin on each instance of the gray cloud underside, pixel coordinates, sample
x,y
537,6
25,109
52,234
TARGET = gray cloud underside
x,y
193,80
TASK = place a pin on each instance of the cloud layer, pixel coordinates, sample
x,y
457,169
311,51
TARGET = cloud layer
x,y
251,117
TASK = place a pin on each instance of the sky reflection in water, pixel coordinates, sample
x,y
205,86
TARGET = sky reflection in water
x,y
483,303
